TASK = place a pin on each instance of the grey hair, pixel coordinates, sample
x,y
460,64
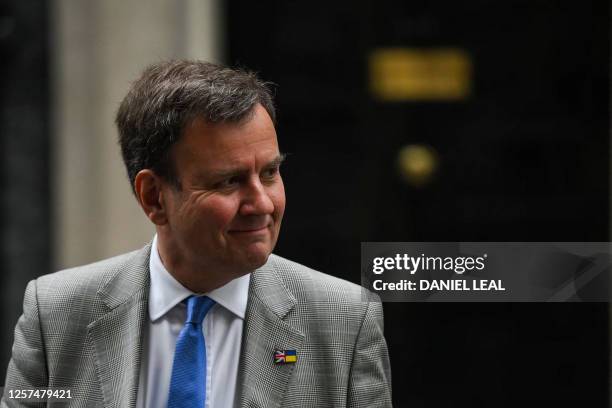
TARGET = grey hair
x,y
168,96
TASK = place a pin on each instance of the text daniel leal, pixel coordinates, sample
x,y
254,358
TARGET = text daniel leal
x,y
443,284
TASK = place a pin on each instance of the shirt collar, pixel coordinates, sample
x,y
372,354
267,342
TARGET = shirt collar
x,y
166,292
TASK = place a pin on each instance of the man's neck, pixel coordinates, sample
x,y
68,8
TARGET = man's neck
x,y
198,278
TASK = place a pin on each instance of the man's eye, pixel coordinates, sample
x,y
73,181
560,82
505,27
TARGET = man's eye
x,y
270,173
229,182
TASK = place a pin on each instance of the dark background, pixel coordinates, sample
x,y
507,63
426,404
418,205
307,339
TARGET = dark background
x,y
25,140
524,158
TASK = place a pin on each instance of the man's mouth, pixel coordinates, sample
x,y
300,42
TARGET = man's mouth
x,y
248,230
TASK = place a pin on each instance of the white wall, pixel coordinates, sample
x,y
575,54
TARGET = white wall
x,y
98,48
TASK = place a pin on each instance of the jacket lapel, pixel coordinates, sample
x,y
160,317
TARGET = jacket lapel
x,y
117,336
261,382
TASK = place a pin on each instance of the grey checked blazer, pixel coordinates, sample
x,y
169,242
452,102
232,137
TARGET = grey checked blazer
x,y
82,328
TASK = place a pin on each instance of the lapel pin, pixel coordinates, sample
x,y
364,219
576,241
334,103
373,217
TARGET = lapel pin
x,y
285,356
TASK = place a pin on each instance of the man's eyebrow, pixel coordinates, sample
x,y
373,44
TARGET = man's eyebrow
x,y
277,161
221,174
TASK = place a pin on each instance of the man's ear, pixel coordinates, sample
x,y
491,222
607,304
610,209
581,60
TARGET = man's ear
x,y
148,188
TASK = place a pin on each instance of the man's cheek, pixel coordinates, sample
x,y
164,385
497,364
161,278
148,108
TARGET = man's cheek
x,y
278,198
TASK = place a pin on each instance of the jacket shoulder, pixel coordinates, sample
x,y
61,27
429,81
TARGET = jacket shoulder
x,y
92,274
303,281
82,283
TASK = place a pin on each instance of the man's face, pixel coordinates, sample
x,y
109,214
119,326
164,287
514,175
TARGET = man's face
x,y
228,213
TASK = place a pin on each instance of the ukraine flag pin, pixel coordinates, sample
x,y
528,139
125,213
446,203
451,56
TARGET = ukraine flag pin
x,y
285,356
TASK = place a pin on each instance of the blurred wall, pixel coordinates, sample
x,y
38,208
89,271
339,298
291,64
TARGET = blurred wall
x,y
98,48
65,198
24,158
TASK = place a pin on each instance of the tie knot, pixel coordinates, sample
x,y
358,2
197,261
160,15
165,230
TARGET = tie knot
x,y
197,307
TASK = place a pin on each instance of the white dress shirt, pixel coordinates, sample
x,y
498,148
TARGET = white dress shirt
x,y
222,329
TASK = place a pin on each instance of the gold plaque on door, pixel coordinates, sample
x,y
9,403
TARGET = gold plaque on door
x,y
417,74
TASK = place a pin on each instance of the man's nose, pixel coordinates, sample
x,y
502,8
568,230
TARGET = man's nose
x,y
256,200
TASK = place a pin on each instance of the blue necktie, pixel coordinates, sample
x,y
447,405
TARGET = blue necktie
x,y
188,382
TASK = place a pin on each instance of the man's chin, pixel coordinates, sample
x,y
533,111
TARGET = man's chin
x,y
257,257
258,261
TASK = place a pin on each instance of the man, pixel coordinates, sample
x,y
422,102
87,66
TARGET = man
x,y
200,148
